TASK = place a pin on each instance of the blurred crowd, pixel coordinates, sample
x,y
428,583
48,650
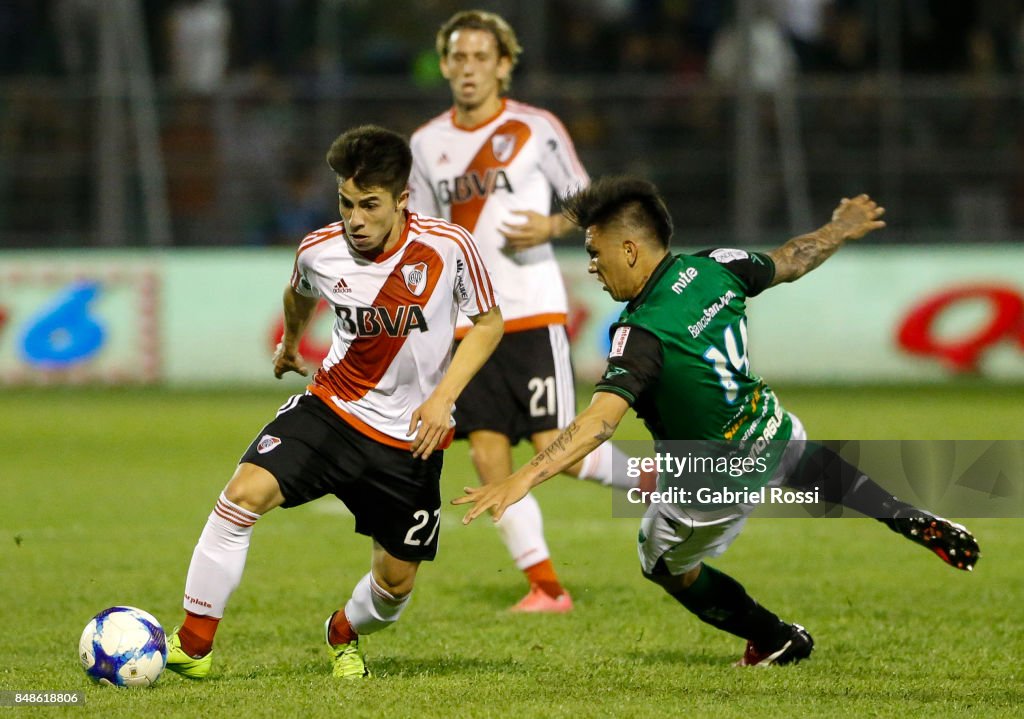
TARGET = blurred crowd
x,y
199,42
249,92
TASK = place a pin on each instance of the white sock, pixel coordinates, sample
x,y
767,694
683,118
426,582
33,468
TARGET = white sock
x,y
372,608
218,559
600,466
522,530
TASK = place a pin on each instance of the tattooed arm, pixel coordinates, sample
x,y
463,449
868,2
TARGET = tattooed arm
x,y
591,427
851,220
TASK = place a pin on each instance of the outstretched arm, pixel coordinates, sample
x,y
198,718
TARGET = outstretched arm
x,y
851,220
298,311
430,420
591,427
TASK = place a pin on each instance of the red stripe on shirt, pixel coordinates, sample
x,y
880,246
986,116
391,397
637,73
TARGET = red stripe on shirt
x,y
369,356
467,212
481,278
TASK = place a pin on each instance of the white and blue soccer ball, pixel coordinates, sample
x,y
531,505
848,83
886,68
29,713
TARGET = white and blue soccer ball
x,y
123,646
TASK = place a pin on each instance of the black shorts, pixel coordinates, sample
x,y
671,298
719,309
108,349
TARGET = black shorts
x,y
396,498
525,387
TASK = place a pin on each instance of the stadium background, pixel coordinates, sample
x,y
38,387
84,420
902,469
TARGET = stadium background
x,y
159,160
146,128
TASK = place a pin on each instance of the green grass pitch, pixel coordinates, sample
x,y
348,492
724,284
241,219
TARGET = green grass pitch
x,y
105,492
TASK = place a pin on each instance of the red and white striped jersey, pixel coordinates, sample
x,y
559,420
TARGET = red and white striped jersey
x,y
394,318
477,176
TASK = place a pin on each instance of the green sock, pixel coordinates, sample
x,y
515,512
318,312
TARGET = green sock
x,y
722,602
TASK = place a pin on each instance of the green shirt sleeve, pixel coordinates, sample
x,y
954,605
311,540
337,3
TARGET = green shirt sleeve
x,y
634,362
755,270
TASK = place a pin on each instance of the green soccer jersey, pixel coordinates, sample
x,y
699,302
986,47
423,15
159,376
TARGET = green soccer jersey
x,y
679,354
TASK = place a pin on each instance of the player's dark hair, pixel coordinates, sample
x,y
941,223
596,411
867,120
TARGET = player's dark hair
x,y
372,156
628,200
504,35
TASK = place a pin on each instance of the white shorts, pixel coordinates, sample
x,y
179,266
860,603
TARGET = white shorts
x,y
684,536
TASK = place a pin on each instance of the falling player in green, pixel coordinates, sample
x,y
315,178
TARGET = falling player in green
x,y
678,357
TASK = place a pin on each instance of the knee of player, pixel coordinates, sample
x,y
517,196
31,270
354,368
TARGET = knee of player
x,y
489,447
254,489
662,580
671,583
396,582
658,574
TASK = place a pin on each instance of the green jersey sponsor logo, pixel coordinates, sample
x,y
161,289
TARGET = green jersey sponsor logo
x,y
710,313
686,276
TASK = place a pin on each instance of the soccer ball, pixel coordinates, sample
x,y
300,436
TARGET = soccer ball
x,y
123,646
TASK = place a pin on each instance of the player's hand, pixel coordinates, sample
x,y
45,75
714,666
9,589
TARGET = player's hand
x,y
496,497
857,217
288,359
431,422
536,229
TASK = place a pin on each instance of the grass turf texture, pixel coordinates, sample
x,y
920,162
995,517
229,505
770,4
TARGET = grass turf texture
x,y
106,491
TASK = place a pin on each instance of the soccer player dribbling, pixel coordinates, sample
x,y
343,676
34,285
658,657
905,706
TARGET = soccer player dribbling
x,y
371,427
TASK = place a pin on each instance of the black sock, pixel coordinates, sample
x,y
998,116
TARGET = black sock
x,y
839,482
722,602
